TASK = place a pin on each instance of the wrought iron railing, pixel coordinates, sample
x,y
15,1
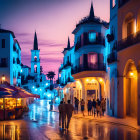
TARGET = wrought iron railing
x,y
129,41
99,67
99,41
122,2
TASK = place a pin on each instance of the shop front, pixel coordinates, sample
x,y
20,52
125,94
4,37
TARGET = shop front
x,y
13,102
90,88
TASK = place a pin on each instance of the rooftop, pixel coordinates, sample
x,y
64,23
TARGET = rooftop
x,y
92,19
7,31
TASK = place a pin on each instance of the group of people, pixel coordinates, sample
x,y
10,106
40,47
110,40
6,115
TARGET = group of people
x,y
65,114
65,110
94,107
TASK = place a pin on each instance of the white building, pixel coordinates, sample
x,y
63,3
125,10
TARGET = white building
x,y
10,58
32,78
86,62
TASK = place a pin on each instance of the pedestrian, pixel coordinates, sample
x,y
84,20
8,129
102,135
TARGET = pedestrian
x,y
94,107
103,105
98,107
51,105
62,114
82,106
76,105
89,107
69,110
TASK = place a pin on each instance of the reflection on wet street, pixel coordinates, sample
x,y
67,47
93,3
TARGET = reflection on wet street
x,y
41,124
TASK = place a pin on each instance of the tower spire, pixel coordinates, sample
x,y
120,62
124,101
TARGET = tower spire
x,y
68,45
91,14
35,42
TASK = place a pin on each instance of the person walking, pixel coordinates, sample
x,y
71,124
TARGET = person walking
x,y
82,106
103,105
89,107
76,105
62,114
98,108
94,107
69,110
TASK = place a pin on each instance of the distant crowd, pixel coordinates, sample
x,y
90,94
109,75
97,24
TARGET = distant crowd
x,y
65,110
94,107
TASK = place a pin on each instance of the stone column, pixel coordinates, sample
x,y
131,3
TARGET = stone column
x,y
120,99
138,101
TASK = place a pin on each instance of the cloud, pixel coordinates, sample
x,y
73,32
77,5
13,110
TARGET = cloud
x,y
23,34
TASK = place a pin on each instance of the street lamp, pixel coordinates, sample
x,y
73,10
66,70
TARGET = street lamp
x,y
3,78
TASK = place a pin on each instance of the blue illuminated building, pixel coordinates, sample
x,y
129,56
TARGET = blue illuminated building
x,y
10,58
104,61
84,71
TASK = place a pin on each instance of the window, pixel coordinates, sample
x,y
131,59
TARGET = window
x,y
130,28
92,37
92,60
3,62
35,58
113,3
3,43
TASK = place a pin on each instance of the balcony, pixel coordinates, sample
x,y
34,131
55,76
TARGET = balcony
x,y
99,67
99,41
129,41
122,2
112,57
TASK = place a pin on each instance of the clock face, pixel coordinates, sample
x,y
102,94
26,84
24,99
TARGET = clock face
x,y
92,37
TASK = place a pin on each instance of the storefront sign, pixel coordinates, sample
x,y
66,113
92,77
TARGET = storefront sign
x,y
91,84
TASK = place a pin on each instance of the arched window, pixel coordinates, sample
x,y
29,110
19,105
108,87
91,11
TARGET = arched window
x,y
129,26
35,68
35,58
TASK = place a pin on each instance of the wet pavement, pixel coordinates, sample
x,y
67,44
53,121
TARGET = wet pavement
x,y
41,124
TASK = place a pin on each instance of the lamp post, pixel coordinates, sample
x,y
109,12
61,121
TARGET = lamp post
x,y
3,78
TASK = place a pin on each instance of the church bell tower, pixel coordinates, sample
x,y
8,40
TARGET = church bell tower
x,y
35,60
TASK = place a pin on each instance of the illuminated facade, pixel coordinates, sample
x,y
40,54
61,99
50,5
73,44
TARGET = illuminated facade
x,y
10,58
83,73
124,59
106,62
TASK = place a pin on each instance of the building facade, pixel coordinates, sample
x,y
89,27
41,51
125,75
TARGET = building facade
x,y
83,73
106,61
10,58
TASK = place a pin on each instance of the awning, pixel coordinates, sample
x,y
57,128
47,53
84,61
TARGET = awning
x,y
8,91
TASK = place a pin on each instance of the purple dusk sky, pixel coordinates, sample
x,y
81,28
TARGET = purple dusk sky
x,y
53,20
